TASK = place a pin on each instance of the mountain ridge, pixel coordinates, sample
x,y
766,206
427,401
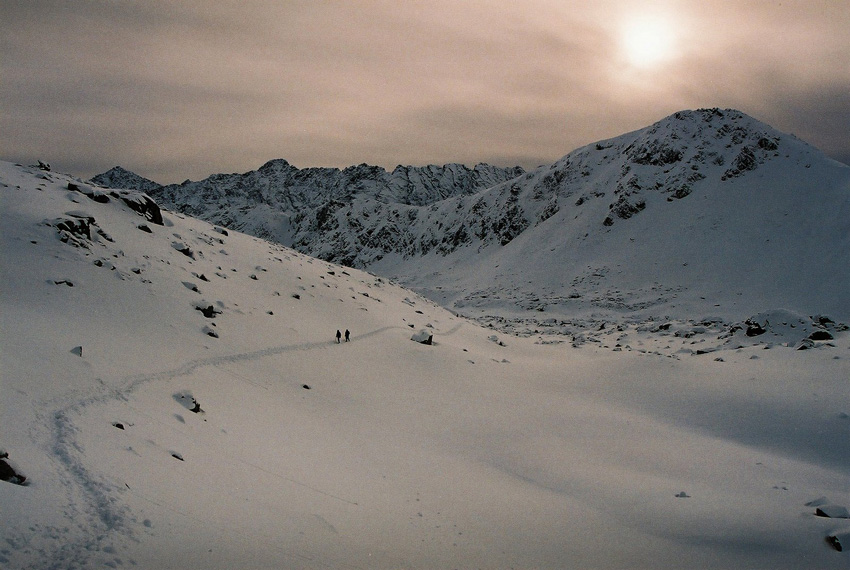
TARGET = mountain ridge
x,y
555,224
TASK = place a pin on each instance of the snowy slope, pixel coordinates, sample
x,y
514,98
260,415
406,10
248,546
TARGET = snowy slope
x,y
146,442
704,214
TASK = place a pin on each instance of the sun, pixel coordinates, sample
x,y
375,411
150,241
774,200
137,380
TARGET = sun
x,y
648,41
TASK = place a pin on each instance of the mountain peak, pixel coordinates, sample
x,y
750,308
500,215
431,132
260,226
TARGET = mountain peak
x,y
276,164
119,177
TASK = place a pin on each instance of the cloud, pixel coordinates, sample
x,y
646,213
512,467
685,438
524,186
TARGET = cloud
x,y
185,89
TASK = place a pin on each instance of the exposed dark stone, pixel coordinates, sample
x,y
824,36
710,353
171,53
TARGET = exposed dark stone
x,y
209,311
834,542
754,328
7,473
821,335
143,204
76,225
184,249
765,143
119,425
745,161
423,337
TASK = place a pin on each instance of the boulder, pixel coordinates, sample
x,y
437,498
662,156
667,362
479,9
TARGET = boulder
x,y
423,337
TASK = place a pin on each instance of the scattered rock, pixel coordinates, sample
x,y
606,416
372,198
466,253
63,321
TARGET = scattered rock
x,y
183,248
821,335
682,495
142,204
8,473
78,350
188,401
834,542
145,228
176,455
208,311
74,228
423,337
754,328
832,512
98,196
119,425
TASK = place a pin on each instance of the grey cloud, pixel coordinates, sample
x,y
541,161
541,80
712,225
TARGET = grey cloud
x,y
184,89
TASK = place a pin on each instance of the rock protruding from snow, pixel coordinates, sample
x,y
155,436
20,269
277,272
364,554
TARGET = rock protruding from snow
x,y
8,472
832,511
423,337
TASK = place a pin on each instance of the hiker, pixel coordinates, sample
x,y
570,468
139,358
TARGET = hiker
x,y
347,334
338,336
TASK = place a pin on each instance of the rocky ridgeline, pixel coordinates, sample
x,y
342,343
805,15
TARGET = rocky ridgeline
x,y
358,215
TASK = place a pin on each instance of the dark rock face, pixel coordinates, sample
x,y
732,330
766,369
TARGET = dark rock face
x,y
8,473
137,201
821,335
208,311
754,328
78,226
142,204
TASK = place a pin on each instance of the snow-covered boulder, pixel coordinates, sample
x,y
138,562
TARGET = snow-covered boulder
x,y
423,337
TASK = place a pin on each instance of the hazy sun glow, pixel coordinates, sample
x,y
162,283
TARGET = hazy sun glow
x,y
648,41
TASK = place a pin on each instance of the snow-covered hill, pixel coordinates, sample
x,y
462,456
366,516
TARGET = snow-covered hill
x,y
173,397
707,216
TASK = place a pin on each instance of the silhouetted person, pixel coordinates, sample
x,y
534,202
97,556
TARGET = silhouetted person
x,y
338,336
347,334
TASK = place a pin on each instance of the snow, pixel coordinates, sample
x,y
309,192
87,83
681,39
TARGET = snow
x,y
481,450
703,214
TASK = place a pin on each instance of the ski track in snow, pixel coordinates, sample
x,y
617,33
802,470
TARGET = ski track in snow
x,y
101,508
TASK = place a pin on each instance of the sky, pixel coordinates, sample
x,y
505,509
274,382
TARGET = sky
x,y
181,89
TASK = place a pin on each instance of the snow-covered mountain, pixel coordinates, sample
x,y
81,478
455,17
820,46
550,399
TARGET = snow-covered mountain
x,y
706,213
173,396
281,202
117,177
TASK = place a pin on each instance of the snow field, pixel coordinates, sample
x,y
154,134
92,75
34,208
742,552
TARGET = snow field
x,y
465,453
